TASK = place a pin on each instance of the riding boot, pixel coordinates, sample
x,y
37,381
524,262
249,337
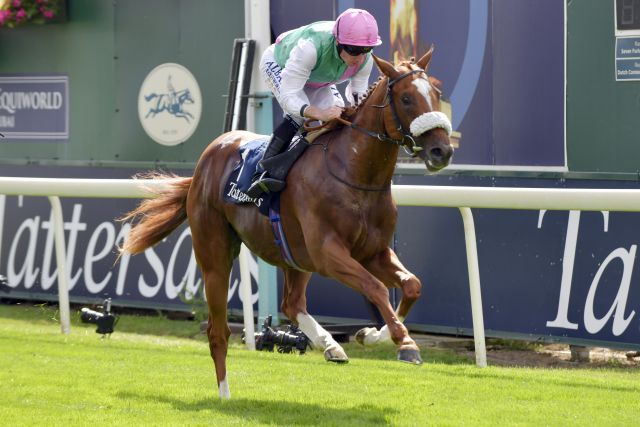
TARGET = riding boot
x,y
279,142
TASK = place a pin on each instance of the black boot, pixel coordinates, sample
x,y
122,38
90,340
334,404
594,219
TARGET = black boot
x,y
279,142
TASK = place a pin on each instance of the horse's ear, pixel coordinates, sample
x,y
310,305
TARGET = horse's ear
x,y
426,59
386,67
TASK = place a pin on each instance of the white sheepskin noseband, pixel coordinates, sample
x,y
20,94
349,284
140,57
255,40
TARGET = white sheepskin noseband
x,y
428,121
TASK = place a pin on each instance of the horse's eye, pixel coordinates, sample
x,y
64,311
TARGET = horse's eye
x,y
406,100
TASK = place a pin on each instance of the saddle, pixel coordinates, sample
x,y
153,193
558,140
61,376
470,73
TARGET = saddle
x,y
279,166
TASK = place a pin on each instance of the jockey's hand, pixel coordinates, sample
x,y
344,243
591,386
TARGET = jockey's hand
x,y
323,114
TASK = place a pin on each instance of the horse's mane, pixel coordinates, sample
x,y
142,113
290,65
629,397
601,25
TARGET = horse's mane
x,y
351,111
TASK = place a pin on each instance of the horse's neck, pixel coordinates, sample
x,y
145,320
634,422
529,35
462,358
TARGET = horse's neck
x,y
369,161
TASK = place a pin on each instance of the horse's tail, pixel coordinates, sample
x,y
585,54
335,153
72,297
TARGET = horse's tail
x,y
158,216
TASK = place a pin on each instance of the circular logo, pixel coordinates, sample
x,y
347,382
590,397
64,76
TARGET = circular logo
x,y
169,104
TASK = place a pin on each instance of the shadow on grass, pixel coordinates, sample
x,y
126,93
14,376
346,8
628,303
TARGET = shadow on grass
x,y
277,412
389,352
384,352
514,375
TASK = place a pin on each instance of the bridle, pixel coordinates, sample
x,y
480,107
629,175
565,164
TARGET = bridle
x,y
415,148
407,139
408,143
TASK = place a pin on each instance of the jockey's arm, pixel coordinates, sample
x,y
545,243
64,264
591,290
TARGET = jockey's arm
x,y
359,83
295,75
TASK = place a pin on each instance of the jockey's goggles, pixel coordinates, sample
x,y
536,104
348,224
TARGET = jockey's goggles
x,y
356,50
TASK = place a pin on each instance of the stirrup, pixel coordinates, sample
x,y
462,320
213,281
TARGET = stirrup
x,y
264,184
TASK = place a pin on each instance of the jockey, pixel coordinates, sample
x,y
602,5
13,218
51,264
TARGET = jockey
x,y
302,69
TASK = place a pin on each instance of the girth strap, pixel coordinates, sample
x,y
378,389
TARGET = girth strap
x,y
281,240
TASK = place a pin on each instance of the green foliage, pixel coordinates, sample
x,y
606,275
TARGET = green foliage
x,y
160,378
196,303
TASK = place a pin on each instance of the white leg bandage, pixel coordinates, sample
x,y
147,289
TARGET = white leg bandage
x,y
223,389
375,336
320,338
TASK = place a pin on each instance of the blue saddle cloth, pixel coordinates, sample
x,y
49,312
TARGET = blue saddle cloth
x,y
240,178
268,204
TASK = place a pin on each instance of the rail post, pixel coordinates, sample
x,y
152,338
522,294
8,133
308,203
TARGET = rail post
x,y
474,287
63,278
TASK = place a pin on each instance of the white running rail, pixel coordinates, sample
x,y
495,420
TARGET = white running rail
x,y
463,198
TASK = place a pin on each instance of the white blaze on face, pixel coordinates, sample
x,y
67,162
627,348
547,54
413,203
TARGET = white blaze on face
x,y
424,88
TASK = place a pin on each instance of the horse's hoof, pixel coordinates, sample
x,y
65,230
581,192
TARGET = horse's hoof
x,y
361,335
336,355
410,355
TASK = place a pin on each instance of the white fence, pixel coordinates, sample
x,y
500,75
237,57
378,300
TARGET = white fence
x,y
463,198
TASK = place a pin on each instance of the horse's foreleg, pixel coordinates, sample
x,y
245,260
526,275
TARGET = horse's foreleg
x,y
387,267
334,260
294,306
183,115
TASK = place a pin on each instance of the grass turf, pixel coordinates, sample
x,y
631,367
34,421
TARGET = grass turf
x,y
154,371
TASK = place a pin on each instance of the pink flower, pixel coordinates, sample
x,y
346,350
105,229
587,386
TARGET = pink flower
x,y
4,14
48,14
21,14
17,3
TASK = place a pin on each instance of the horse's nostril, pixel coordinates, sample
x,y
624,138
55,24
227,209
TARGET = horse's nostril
x,y
440,154
436,153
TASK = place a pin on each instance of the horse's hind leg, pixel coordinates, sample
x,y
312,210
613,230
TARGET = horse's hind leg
x,y
218,331
294,306
216,246
387,267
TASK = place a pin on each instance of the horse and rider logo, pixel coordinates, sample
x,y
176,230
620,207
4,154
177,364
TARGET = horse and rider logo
x,y
172,102
169,104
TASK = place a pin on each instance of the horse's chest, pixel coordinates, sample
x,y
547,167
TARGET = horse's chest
x,y
370,226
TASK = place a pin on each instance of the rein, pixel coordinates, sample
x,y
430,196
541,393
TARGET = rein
x,y
415,148
375,135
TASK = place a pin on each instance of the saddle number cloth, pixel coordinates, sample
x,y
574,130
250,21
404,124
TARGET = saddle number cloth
x,y
240,178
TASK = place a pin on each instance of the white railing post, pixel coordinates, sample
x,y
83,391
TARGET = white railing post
x,y
474,287
245,296
63,282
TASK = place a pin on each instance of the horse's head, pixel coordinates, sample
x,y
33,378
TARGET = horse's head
x,y
185,97
414,114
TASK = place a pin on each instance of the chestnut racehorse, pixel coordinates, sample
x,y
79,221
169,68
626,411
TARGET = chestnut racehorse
x,y
337,211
